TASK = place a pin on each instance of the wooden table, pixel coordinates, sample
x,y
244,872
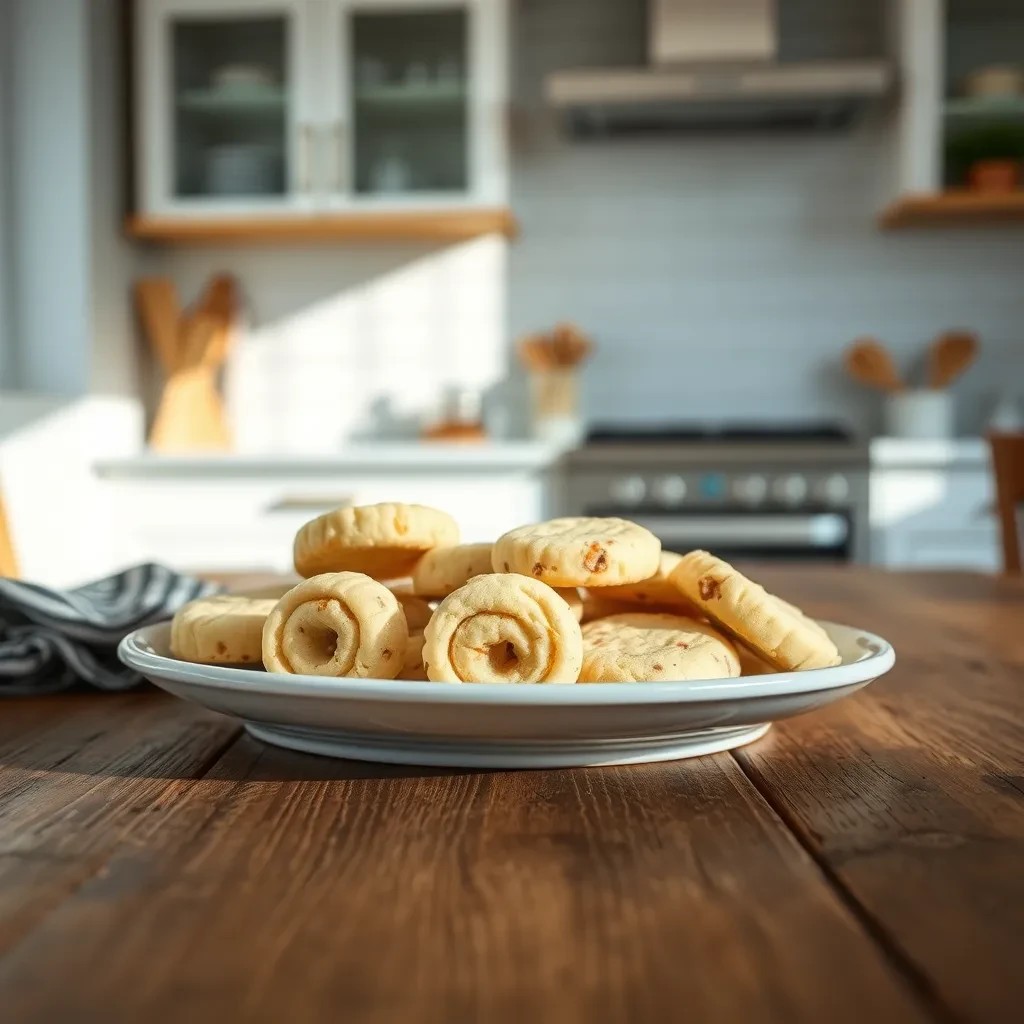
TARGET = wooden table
x,y
864,863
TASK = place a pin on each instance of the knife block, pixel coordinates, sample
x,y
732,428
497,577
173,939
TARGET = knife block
x,y
191,347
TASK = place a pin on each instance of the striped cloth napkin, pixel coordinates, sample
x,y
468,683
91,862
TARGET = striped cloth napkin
x,y
50,639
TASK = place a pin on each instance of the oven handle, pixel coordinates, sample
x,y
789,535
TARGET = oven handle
x,y
818,530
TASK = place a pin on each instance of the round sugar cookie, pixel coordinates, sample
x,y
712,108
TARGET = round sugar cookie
x,y
503,628
596,606
571,596
225,629
336,624
773,629
443,570
655,592
752,664
417,611
272,590
383,541
412,664
641,647
579,551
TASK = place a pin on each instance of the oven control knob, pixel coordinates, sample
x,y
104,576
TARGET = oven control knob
x,y
750,489
670,490
790,490
834,489
629,490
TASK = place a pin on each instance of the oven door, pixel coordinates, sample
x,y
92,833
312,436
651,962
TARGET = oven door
x,y
818,536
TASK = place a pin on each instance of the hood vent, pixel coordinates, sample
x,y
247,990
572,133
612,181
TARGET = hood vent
x,y
714,66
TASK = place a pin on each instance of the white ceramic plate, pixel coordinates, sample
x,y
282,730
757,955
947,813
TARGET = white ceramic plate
x,y
504,726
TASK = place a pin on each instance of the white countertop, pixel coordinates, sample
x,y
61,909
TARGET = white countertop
x,y
488,456
19,410
900,452
382,457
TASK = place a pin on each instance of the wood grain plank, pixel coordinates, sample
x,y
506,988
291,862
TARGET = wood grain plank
x,y
453,225
281,887
948,209
911,795
78,775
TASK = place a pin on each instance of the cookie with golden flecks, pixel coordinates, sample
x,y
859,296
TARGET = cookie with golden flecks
x,y
383,541
225,629
752,664
417,611
773,629
641,647
571,596
597,607
336,624
412,664
655,593
443,570
579,551
503,628
272,590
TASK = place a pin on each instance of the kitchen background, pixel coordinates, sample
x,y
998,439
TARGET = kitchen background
x,y
719,274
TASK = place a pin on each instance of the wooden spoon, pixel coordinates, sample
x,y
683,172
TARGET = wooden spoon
x,y
949,355
868,361
157,302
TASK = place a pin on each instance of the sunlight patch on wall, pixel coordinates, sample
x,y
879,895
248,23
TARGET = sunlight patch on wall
x,y
375,358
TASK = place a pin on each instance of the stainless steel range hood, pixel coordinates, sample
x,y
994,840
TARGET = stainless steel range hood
x,y
714,64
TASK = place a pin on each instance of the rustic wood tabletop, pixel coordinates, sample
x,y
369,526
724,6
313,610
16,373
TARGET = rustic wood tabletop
x,y
862,863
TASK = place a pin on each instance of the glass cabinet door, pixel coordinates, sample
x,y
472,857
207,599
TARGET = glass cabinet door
x,y
232,135
407,74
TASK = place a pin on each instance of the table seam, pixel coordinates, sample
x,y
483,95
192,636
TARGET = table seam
x,y
916,979
210,762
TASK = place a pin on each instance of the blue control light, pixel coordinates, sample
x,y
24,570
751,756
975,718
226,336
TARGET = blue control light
x,y
712,486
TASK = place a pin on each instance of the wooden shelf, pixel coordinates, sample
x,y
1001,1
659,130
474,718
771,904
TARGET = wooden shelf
x,y
951,208
409,225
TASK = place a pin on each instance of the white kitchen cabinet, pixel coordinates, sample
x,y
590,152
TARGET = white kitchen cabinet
x,y
225,107
932,506
235,514
62,529
303,107
940,43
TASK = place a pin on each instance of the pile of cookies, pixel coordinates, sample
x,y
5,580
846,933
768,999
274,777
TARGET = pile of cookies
x,y
390,593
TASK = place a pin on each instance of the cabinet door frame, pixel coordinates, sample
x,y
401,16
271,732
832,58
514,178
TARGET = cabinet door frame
x,y
154,92
487,78
918,29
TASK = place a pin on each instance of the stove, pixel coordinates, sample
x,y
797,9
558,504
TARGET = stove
x,y
733,433
741,490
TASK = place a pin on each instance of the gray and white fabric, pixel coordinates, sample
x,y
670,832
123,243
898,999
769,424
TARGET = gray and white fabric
x,y
50,639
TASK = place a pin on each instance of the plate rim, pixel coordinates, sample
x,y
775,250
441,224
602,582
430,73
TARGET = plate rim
x,y
876,662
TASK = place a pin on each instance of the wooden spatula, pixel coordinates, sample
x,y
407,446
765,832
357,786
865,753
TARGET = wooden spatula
x,y
157,301
868,361
949,356
220,300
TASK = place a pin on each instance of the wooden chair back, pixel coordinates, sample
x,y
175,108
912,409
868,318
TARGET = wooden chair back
x,y
8,559
1008,470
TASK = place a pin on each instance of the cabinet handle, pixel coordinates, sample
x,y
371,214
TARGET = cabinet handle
x,y
338,132
305,174
309,502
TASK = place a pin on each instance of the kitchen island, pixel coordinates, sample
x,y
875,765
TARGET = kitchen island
x,y
862,863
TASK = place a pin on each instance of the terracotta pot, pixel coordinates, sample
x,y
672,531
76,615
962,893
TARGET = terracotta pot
x,y
994,175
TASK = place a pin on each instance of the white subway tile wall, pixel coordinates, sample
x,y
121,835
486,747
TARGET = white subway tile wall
x,y
720,275
350,342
